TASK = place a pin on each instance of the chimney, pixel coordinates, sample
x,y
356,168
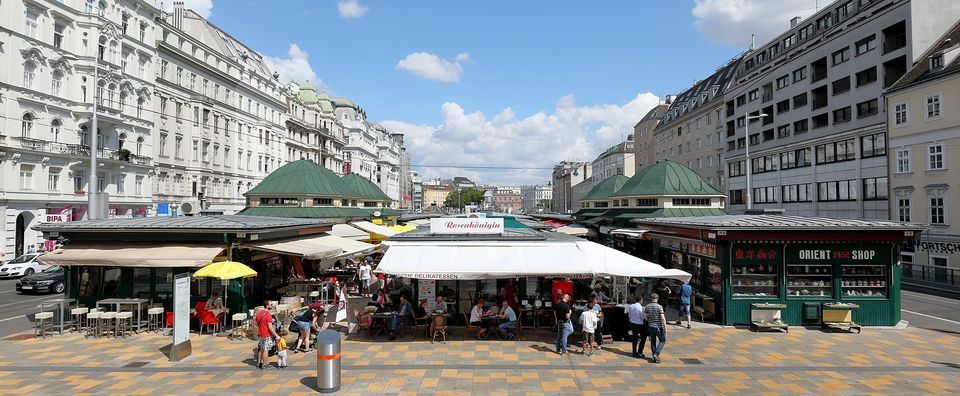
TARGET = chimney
x,y
671,98
753,42
794,22
178,14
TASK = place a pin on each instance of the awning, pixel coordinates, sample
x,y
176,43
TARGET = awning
x,y
593,221
312,247
348,246
373,228
133,255
497,260
420,222
574,230
629,232
606,229
348,232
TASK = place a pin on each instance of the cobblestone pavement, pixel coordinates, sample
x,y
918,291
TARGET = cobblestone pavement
x,y
697,361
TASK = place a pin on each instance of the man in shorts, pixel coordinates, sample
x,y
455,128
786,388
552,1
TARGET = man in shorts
x,y
268,336
684,295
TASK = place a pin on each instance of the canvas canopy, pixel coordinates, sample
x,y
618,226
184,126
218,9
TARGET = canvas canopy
x,y
311,247
374,229
133,255
348,232
508,259
574,230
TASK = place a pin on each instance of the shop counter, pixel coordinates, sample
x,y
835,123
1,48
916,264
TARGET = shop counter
x,y
839,316
767,316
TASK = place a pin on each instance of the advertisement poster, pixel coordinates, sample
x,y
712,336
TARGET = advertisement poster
x,y
181,308
427,289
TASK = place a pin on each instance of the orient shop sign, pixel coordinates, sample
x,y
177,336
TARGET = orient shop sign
x,y
756,254
466,226
838,253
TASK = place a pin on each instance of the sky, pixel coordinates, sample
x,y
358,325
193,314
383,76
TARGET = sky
x,y
522,84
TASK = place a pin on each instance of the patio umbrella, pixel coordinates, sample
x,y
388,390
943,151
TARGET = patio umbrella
x,y
225,270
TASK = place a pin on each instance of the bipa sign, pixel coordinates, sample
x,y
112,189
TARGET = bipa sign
x,y
57,218
466,226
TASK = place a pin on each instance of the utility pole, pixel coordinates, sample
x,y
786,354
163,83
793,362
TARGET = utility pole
x,y
93,209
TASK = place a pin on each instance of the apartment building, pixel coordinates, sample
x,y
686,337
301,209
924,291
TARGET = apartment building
x,y
416,182
536,198
57,56
312,129
643,139
690,130
923,114
566,175
221,115
619,159
820,149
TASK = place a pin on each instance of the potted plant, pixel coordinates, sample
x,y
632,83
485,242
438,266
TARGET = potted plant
x,y
124,155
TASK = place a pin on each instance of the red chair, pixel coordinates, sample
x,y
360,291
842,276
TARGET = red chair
x,y
169,319
208,319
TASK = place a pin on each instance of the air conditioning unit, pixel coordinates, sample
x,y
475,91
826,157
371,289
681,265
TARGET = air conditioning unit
x,y
190,208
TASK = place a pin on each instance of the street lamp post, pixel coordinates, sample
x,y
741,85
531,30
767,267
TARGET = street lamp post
x,y
746,127
93,185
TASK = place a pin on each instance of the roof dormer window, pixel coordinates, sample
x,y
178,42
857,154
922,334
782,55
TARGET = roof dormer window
x,y
936,62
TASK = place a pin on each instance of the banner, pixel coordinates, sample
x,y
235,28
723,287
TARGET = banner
x,y
341,307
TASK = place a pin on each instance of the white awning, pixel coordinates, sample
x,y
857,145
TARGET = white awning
x,y
373,228
499,259
139,255
574,230
309,247
420,222
348,246
348,232
629,232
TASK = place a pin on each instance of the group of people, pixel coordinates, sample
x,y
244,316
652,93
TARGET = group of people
x,y
484,318
272,335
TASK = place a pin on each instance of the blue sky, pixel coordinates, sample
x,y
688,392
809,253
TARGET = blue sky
x,y
472,82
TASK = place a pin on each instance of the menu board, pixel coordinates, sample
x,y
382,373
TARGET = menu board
x,y
427,289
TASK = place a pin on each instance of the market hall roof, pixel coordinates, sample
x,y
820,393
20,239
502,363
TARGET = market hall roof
x,y
666,178
770,222
302,177
364,188
643,213
605,188
317,212
183,224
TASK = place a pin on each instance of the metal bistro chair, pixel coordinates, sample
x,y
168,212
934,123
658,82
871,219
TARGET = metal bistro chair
x,y
124,324
78,318
93,322
42,322
155,321
239,325
105,324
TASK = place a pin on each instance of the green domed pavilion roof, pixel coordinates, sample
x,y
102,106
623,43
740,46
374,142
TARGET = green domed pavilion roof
x,y
605,188
303,177
365,188
307,93
666,178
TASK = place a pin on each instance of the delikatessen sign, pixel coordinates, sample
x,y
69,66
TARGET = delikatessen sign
x,y
466,226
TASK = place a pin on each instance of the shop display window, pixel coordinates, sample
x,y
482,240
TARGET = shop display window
x,y
754,280
714,280
858,280
676,260
809,280
693,267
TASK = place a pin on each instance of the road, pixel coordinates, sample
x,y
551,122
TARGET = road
x,y
16,310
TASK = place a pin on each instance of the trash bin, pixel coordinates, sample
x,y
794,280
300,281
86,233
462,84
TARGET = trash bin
x,y
328,361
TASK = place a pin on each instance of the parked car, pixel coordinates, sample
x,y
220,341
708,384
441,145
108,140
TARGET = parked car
x,y
21,266
50,280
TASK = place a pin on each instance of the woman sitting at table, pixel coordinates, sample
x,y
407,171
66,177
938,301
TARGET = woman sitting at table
x,y
379,300
476,318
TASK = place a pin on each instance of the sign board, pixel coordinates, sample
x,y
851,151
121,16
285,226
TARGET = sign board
x,y
865,253
756,254
181,318
466,226
56,218
939,247
427,289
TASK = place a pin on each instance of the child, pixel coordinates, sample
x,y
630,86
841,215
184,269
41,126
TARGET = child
x,y
589,320
282,349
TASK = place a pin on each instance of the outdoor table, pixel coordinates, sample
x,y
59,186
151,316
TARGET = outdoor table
x,y
63,305
118,302
840,316
767,316
382,317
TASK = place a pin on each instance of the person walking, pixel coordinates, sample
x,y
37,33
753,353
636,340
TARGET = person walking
x,y
564,326
638,327
684,295
266,333
657,326
364,274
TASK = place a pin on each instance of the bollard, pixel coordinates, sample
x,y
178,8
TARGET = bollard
x,y
328,361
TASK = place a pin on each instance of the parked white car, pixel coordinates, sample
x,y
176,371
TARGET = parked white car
x,y
21,266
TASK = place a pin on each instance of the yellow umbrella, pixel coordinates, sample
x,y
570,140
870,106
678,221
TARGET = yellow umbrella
x,y
225,270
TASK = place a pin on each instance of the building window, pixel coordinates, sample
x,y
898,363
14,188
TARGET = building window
x,y
842,85
796,193
875,188
767,163
903,160
800,127
868,108
29,74
800,100
736,169
841,190
841,56
938,209
32,26
873,145
866,76
754,95
58,29
691,202
935,156
903,206
26,177
933,106
795,159
322,202
765,195
195,154
836,152
867,44
53,179
736,197
138,185
783,82
901,114
841,115
26,125
783,131
78,181
783,106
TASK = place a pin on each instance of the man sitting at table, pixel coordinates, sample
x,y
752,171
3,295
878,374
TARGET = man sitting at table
x,y
215,302
510,318
441,305
406,312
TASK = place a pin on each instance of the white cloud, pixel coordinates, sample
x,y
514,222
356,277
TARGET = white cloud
x,y
294,67
351,9
432,67
201,7
733,21
570,132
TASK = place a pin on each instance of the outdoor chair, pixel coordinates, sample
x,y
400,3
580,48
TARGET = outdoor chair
x,y
93,321
153,321
79,318
124,324
43,324
207,318
468,326
439,327
421,321
363,322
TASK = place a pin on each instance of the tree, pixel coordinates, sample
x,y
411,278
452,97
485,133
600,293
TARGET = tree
x,y
463,197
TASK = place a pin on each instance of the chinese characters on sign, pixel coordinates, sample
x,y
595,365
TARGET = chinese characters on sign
x,y
756,254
